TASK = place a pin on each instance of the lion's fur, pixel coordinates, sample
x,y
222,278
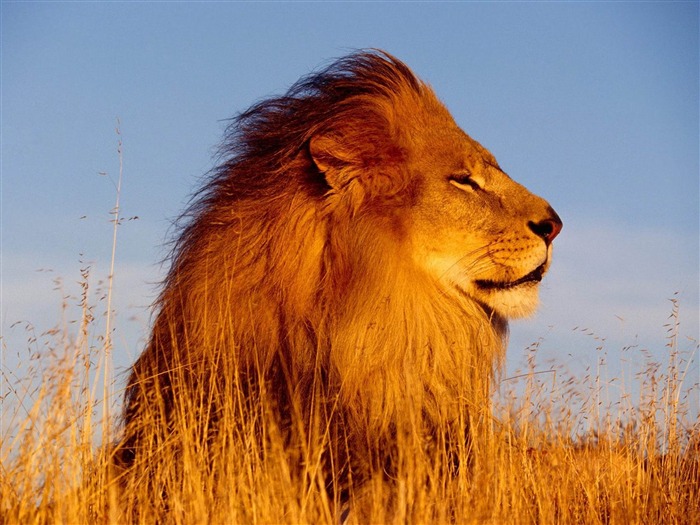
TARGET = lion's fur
x,y
296,281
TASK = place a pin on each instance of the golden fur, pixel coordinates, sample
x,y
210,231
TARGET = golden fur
x,y
351,265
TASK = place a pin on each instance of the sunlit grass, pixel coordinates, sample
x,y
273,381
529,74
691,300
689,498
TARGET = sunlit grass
x,y
556,451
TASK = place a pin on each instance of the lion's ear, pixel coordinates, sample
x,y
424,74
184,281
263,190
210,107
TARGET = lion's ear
x,y
366,155
331,158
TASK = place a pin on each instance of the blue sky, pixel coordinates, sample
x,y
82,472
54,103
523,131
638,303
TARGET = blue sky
x,y
594,106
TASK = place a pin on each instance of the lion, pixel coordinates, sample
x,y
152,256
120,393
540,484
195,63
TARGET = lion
x,y
344,277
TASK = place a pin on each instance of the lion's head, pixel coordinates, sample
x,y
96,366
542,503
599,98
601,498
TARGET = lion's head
x,y
354,247
441,195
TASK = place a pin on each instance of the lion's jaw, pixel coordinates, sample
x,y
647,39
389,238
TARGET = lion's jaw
x,y
515,298
511,298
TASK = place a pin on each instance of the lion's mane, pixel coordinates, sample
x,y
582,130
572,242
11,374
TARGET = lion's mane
x,y
300,291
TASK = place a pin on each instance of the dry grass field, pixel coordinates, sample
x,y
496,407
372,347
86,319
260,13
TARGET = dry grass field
x,y
554,452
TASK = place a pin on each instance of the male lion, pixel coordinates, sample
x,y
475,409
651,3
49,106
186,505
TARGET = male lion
x,y
342,281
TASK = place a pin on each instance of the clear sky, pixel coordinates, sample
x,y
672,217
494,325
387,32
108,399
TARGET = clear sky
x,y
594,106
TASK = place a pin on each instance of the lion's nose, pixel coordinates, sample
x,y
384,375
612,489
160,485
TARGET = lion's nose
x,y
549,228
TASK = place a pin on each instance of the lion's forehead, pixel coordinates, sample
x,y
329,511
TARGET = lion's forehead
x,y
448,149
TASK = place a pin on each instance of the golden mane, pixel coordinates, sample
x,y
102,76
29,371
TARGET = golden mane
x,y
294,283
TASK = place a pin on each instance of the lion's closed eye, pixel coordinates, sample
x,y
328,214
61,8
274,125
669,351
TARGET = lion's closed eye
x,y
465,181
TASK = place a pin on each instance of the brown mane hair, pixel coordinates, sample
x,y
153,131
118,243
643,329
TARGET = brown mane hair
x,y
293,296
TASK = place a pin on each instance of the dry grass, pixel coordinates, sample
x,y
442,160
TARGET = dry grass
x,y
556,452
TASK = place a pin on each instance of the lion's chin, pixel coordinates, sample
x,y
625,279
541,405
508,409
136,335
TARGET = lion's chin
x,y
512,299
513,302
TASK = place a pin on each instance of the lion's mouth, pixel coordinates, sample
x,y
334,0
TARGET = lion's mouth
x,y
534,276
